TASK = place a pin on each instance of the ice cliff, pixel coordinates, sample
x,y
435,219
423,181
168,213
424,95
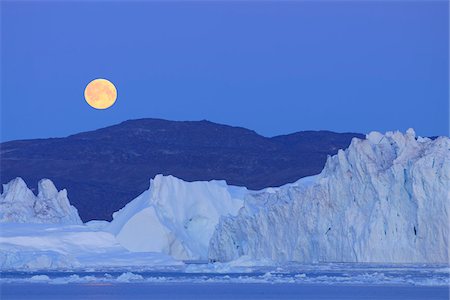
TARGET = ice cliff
x,y
18,204
384,199
175,217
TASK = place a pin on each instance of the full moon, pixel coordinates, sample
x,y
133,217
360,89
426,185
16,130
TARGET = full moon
x,y
100,93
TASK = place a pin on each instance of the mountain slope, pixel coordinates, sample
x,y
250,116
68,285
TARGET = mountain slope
x,y
103,169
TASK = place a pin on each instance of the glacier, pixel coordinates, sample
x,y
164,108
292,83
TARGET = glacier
x,y
383,199
18,204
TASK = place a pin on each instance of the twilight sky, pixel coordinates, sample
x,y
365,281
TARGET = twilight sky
x,y
274,67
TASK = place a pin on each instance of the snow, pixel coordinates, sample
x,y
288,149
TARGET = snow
x,y
19,204
384,199
175,217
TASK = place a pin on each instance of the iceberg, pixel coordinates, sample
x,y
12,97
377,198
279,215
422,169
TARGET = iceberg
x,y
18,204
175,217
384,199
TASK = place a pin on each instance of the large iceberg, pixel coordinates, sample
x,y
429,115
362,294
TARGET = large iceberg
x,y
18,204
384,199
175,217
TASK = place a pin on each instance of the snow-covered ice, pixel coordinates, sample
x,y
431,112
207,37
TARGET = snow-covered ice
x,y
19,204
384,199
175,217
53,247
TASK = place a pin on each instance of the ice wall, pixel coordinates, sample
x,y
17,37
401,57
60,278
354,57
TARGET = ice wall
x,y
384,199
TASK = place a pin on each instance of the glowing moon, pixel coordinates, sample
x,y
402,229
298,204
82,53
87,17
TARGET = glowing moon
x,y
100,93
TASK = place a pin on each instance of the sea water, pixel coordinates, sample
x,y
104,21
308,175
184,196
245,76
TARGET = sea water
x,y
207,281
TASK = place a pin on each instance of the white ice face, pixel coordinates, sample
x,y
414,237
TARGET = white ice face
x,y
175,217
18,204
384,199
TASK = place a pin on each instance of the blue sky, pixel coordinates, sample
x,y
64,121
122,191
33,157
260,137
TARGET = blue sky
x,y
274,67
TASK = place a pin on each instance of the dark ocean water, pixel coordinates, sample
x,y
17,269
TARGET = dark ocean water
x,y
233,291
206,281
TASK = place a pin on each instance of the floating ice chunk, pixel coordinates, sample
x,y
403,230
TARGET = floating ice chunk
x,y
128,276
40,278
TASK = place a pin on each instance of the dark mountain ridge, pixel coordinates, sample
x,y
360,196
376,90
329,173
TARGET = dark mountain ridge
x,y
106,168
